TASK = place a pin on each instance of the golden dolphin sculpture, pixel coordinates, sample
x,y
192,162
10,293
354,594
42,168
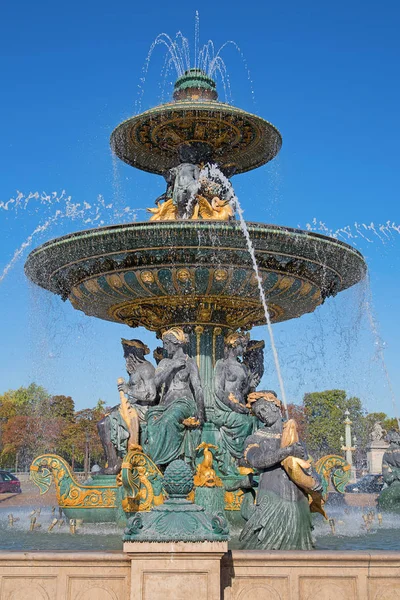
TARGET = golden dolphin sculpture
x,y
299,470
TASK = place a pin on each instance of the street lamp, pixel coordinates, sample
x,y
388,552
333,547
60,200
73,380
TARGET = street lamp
x,y
349,447
87,465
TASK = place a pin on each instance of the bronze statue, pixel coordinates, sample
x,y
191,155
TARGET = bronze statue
x,y
253,358
389,498
173,426
232,381
114,429
281,518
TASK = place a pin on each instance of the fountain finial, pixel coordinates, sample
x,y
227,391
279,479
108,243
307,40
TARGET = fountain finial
x,y
194,85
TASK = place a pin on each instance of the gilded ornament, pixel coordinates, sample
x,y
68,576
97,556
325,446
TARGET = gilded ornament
x,y
165,211
147,277
216,210
92,286
183,275
220,275
142,482
205,474
233,500
299,470
70,493
204,313
115,281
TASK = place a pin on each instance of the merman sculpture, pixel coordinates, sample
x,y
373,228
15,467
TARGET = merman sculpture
x,y
115,428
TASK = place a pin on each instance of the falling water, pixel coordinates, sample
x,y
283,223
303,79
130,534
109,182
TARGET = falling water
x,y
216,174
379,346
96,214
206,57
264,303
384,232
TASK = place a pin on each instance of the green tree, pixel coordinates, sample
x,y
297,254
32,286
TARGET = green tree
x,y
390,423
324,413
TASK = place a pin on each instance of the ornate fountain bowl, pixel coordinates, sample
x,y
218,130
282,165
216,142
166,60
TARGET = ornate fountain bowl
x,y
151,141
235,138
189,273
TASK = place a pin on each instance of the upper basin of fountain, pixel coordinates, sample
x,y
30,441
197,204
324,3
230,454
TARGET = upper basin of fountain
x,y
151,140
191,273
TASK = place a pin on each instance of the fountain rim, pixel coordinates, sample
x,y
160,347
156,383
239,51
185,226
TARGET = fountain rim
x,y
201,106
179,224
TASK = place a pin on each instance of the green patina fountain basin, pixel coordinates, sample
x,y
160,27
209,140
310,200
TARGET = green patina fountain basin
x,y
190,273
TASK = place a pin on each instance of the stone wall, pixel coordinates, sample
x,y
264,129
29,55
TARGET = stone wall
x,y
245,575
64,576
311,576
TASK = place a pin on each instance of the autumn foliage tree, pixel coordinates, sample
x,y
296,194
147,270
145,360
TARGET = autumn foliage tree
x,y
33,422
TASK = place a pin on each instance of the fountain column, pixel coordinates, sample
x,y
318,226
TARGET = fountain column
x,y
207,346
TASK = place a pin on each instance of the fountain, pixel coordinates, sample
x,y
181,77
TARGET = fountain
x,y
200,280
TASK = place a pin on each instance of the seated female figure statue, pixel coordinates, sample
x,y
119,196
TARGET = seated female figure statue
x,y
281,518
173,426
233,381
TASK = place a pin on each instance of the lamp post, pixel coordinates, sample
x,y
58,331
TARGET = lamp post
x,y
73,457
349,448
86,465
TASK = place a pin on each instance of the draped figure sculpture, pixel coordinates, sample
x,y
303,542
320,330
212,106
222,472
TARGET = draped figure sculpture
x,y
140,389
174,425
233,381
281,518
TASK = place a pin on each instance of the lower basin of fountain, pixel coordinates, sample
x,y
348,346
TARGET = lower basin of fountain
x,y
94,564
91,565
350,533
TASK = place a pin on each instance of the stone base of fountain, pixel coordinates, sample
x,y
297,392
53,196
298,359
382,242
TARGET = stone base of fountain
x,y
208,573
175,570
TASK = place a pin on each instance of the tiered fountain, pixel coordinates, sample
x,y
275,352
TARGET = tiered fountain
x,y
193,266
200,280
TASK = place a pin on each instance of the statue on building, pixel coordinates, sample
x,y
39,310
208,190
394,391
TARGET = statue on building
x,y
174,425
115,428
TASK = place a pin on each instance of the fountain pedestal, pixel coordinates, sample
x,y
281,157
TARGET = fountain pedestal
x,y
175,570
375,452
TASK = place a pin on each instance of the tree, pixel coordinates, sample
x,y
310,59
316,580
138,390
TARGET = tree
x,y
324,413
62,407
296,412
390,423
23,401
78,432
26,437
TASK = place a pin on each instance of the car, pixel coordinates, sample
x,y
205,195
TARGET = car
x,y
369,484
9,483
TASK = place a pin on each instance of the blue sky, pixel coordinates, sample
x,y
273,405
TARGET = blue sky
x,y
325,74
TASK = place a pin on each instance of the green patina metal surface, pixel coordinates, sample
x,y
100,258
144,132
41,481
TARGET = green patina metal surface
x,y
177,519
189,273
